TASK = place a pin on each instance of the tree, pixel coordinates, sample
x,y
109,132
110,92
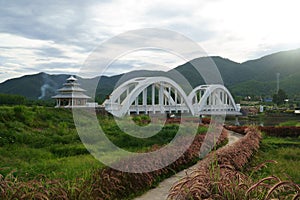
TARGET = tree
x,y
10,99
280,97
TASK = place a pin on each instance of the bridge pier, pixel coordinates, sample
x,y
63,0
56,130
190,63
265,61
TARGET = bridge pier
x,y
200,119
237,123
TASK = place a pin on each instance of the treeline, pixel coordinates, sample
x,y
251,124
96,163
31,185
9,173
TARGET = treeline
x,y
12,99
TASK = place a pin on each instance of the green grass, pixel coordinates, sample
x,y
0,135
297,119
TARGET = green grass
x,y
39,140
285,151
290,123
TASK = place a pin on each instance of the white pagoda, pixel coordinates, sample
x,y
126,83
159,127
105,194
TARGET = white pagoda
x,y
71,95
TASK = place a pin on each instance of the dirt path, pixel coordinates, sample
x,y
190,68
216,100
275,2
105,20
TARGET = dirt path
x,y
233,137
161,191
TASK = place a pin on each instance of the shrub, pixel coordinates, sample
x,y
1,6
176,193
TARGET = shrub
x,y
283,131
19,113
141,120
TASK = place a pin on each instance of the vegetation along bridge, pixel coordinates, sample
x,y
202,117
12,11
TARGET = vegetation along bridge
x,y
163,95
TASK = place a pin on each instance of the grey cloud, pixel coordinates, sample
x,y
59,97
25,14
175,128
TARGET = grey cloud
x,y
51,68
59,21
119,67
50,52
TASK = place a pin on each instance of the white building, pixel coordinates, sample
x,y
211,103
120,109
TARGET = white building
x,y
71,95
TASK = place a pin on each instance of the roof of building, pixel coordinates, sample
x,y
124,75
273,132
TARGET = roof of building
x,y
71,90
71,95
71,84
72,78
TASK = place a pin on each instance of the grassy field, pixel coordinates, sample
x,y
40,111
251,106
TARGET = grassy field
x,y
42,154
286,153
39,140
290,123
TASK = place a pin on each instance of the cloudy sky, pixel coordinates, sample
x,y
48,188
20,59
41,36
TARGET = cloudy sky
x,y
57,36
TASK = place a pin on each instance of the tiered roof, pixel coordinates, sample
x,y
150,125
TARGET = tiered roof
x,y
72,90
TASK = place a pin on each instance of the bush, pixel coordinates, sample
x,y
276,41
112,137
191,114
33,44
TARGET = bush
x,y
141,120
283,131
19,113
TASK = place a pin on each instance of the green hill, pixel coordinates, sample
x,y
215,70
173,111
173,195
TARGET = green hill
x,y
255,77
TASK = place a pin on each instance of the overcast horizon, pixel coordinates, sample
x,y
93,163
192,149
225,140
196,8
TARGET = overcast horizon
x,y
57,37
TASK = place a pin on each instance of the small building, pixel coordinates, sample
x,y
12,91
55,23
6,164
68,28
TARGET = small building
x,y
268,100
71,95
297,111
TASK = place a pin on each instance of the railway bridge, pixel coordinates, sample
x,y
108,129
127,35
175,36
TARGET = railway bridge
x,y
163,95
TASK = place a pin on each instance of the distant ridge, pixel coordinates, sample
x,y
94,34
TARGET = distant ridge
x,y
254,77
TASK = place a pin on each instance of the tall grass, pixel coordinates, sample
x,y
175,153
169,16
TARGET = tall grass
x,y
220,176
34,140
39,140
278,131
105,183
109,183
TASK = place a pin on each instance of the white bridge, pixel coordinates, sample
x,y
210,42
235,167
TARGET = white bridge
x,y
163,95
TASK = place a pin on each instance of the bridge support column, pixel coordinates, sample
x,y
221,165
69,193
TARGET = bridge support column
x,y
153,98
161,98
145,100
237,123
169,99
176,109
181,102
136,104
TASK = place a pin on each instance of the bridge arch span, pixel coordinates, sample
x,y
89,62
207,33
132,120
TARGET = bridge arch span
x,y
213,99
132,96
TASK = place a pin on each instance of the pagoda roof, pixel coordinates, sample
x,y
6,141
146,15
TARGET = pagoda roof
x,y
71,95
71,88
71,83
72,78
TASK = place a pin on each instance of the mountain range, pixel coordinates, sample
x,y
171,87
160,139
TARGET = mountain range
x,y
251,78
